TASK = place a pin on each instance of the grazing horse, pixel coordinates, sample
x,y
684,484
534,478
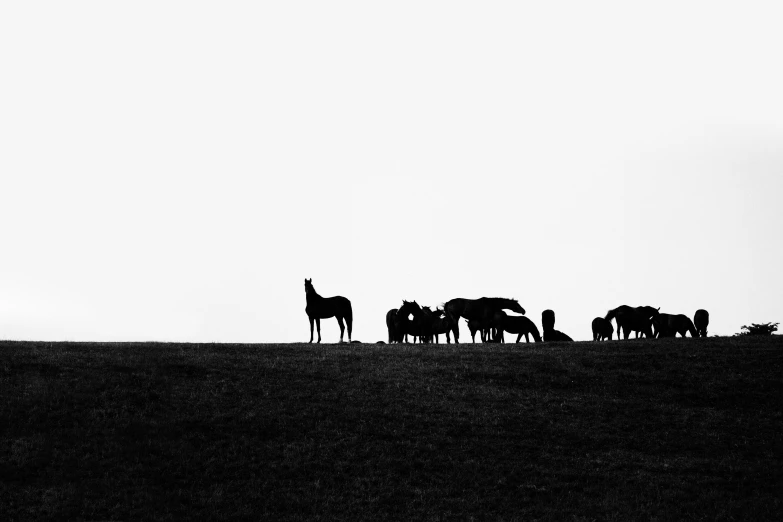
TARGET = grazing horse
x,y
391,325
669,325
405,326
701,320
602,329
325,307
548,323
520,325
482,309
630,319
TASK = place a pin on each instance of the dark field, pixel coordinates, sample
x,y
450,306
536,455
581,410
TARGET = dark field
x,y
663,430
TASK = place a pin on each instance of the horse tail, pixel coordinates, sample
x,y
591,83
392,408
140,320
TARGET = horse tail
x,y
349,317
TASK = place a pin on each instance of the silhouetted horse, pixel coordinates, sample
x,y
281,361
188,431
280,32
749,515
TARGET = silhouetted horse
x,y
602,329
482,309
489,328
474,325
548,323
325,307
552,336
405,326
391,325
520,325
668,325
439,325
548,320
630,319
424,323
701,320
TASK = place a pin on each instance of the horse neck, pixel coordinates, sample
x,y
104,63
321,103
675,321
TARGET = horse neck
x,y
312,296
500,302
535,333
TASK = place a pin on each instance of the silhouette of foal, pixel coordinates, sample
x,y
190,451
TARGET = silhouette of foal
x,y
325,307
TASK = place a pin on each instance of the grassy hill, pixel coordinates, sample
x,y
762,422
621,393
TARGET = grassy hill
x,y
668,429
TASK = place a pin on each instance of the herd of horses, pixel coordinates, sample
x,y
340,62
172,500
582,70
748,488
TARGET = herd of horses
x,y
488,316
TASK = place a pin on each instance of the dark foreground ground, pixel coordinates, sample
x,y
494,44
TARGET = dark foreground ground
x,y
663,430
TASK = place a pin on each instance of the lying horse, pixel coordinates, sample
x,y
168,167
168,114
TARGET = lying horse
x,y
555,336
548,320
630,319
325,307
701,320
520,325
483,309
550,334
668,325
602,329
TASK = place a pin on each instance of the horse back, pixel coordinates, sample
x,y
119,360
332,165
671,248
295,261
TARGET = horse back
x,y
326,307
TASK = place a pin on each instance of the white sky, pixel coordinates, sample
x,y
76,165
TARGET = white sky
x,y
174,170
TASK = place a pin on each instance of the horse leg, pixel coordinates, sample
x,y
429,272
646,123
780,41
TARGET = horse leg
x,y
318,327
342,327
311,328
349,323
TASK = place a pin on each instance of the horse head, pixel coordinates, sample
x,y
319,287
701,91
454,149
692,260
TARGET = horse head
x,y
516,307
309,285
409,307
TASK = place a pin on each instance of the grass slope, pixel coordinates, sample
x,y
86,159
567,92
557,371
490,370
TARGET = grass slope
x,y
670,429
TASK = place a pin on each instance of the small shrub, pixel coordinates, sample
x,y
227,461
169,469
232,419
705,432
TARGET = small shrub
x,y
759,329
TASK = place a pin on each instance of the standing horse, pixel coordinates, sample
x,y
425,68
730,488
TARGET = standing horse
x,y
520,325
482,309
391,325
325,307
669,325
602,329
439,325
630,319
701,320
489,329
405,326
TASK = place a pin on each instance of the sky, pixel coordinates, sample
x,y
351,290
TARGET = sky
x,y
173,171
